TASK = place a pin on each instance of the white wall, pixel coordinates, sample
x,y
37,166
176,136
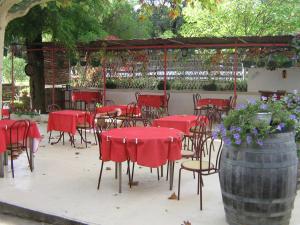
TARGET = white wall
x,y
262,79
180,102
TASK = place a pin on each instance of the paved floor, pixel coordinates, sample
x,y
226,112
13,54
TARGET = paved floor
x,y
64,183
11,220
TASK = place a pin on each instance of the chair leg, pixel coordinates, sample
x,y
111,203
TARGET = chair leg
x,y
28,159
179,181
198,184
49,137
100,175
95,136
162,170
116,170
129,176
200,194
167,171
157,173
85,138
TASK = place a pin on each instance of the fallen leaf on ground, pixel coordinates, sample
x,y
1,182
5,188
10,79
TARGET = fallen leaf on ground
x,y
80,147
173,196
107,168
76,153
42,146
186,223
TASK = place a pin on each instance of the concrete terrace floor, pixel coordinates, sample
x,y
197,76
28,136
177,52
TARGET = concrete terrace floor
x,y
64,184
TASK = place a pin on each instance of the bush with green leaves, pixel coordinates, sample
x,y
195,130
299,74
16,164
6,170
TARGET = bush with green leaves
x,y
243,125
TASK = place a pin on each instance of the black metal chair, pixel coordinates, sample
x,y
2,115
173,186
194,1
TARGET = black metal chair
x,y
18,141
205,164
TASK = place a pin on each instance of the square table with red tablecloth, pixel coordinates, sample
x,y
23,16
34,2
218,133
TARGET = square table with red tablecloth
x,y
66,120
155,101
123,109
33,134
179,122
215,102
86,96
147,146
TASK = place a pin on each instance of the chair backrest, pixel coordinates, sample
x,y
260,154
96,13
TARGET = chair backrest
x,y
196,98
53,108
209,151
137,94
233,102
131,109
18,133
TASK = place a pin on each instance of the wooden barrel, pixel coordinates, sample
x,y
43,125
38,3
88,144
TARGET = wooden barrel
x,y
259,184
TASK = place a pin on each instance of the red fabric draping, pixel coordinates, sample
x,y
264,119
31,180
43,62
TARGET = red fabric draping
x,y
214,101
5,113
86,96
66,120
180,122
5,134
123,108
148,146
151,100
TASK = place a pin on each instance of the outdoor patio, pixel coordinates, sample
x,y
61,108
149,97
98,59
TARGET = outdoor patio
x,y
64,184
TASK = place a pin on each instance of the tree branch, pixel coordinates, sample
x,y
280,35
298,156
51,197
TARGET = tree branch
x,y
11,16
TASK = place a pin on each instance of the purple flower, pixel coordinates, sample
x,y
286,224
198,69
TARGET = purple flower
x,y
215,134
252,101
227,141
236,136
297,110
249,139
263,107
293,117
264,98
274,97
238,141
259,142
238,129
280,126
241,106
255,131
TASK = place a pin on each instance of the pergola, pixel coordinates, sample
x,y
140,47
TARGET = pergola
x,y
165,45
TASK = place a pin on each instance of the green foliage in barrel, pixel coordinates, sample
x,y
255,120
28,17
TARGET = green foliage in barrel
x,y
253,122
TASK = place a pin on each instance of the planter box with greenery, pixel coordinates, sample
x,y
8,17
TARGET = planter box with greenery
x,y
258,166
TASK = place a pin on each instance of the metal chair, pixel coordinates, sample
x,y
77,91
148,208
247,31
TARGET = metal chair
x,y
18,136
204,165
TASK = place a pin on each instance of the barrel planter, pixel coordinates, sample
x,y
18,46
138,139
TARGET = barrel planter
x,y
298,154
259,184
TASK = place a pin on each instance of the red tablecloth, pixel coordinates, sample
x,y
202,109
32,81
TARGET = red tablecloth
x,y
66,120
86,96
151,100
214,101
148,146
180,122
123,108
5,113
5,134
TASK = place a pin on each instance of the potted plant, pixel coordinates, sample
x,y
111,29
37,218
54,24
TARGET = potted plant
x,y
292,104
258,166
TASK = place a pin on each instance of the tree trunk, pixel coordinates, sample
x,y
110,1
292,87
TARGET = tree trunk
x,y
37,80
2,34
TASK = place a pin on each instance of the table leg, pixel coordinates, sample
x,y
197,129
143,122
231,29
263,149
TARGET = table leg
x,y
1,164
31,154
120,177
5,158
171,174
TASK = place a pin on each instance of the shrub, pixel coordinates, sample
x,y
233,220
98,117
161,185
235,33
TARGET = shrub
x,y
210,87
110,83
160,85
